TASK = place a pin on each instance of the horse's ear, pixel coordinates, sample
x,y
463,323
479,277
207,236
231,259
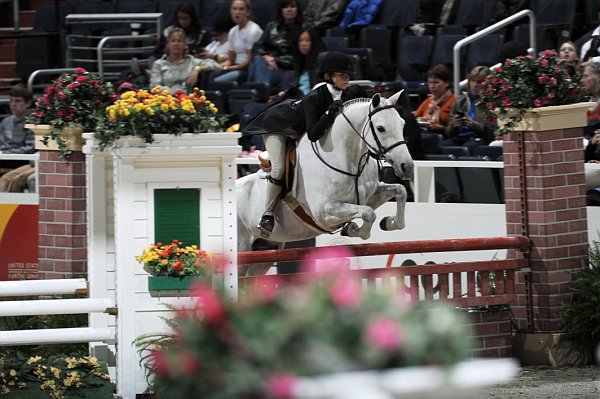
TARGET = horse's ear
x,y
394,99
376,100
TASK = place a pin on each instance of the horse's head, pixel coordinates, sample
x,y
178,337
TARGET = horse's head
x,y
384,134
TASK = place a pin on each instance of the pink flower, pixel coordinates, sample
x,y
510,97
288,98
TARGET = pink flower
x,y
210,304
72,86
553,81
537,103
80,70
346,292
542,79
160,362
506,102
61,95
384,333
281,386
81,79
544,62
188,362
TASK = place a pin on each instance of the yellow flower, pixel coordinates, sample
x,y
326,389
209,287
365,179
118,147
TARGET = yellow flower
x,y
55,372
13,372
149,111
34,359
156,89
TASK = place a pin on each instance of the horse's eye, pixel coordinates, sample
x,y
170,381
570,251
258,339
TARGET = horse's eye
x,y
380,129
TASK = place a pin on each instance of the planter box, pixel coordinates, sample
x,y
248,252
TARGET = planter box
x,y
550,118
102,392
72,136
166,286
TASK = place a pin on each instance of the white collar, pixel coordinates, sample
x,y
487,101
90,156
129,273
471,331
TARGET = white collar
x,y
335,93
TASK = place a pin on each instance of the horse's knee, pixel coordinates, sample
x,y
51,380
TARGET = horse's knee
x,y
369,216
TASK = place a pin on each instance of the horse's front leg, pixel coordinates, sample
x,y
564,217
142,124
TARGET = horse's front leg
x,y
382,195
337,213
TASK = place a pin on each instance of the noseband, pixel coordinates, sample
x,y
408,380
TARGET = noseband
x,y
380,151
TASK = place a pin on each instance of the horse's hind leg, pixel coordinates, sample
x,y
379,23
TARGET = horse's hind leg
x,y
337,213
381,196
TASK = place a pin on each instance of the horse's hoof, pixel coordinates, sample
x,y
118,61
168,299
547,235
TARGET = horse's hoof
x,y
351,226
383,223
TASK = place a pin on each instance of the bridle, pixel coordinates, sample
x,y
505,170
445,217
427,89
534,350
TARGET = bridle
x,y
375,153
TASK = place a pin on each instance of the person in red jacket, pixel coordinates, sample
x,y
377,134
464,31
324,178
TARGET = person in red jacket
x,y
435,110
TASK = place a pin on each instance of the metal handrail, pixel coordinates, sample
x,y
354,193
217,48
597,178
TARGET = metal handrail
x,y
54,71
100,48
484,32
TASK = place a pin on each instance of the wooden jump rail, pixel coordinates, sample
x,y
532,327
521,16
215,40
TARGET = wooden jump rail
x,y
464,284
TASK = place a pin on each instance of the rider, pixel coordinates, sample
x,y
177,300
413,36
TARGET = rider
x,y
314,114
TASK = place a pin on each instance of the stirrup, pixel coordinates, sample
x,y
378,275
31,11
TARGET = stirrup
x,y
266,224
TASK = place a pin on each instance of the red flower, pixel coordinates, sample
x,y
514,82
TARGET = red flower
x,y
384,333
281,386
210,304
160,362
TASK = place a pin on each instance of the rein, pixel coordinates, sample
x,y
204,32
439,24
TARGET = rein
x,y
375,153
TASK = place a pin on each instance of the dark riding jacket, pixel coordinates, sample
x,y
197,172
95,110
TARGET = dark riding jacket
x,y
308,114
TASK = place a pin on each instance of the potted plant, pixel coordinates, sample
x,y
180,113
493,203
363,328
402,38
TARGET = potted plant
x,y
73,101
525,83
173,267
145,113
54,377
319,336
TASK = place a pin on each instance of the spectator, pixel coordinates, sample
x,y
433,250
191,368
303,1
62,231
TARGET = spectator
x,y
218,49
590,46
308,47
435,110
592,176
320,15
590,82
570,59
15,139
273,61
512,49
186,19
360,13
178,70
467,126
241,38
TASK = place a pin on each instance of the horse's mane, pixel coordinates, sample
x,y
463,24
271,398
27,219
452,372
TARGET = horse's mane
x,y
356,100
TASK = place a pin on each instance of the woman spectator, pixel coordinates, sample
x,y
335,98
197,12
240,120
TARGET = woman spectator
x,y
467,126
435,110
186,19
569,58
178,70
590,82
273,57
306,60
241,38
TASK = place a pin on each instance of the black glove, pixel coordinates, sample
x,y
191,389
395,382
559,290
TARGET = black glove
x,y
335,108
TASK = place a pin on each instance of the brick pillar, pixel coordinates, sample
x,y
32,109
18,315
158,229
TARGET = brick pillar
x,y
62,212
545,199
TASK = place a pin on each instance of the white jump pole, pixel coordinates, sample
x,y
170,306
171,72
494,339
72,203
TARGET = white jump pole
x,y
56,336
54,306
41,287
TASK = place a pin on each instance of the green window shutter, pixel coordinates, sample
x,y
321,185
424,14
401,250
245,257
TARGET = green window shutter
x,y
177,215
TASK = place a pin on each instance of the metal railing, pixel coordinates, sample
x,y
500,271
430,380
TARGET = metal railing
x,y
484,32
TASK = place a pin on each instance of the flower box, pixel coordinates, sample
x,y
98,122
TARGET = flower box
x,y
102,392
167,286
71,135
549,118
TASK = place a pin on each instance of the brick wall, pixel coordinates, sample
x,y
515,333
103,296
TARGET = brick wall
x,y
62,216
491,331
552,212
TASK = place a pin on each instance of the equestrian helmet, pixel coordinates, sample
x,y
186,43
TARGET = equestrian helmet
x,y
336,62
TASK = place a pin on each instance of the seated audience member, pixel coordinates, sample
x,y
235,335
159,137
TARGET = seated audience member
x,y
186,19
218,49
15,139
435,110
467,126
272,60
306,60
241,39
592,176
590,82
178,70
569,59
320,15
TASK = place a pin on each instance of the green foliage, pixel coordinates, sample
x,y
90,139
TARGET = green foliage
x,y
581,317
275,335
527,82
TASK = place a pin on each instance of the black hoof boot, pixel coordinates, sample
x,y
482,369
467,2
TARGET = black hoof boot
x,y
266,224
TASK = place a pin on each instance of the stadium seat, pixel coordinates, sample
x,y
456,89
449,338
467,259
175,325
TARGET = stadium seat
x,y
474,13
335,43
398,13
263,89
238,98
413,57
493,152
484,51
457,151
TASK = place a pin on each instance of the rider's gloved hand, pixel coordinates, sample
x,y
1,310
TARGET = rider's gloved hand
x,y
335,108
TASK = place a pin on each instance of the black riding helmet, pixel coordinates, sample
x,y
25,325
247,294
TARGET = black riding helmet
x,y
335,62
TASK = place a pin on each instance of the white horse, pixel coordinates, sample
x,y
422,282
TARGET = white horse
x,y
336,179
